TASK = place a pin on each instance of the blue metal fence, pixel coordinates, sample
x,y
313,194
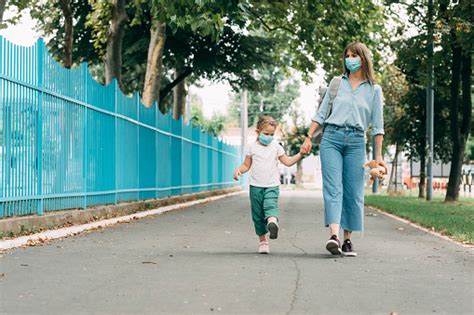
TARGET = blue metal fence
x,y
69,142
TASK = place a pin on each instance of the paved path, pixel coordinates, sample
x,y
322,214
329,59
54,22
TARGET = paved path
x,y
202,260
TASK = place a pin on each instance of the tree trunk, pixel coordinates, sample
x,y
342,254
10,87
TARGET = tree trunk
x,y
68,30
299,173
421,186
392,183
113,56
151,88
459,132
179,99
2,9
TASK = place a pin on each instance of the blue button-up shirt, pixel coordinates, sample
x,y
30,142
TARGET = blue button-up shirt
x,y
354,108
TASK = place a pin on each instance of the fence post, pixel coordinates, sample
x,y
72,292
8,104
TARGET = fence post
x,y
39,128
138,148
84,160
2,184
115,142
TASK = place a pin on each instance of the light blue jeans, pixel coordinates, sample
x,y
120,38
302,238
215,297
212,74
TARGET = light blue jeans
x,y
342,162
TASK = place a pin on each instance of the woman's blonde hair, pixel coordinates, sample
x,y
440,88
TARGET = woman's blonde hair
x,y
366,60
266,120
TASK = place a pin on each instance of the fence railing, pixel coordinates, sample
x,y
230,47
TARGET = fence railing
x,y
69,142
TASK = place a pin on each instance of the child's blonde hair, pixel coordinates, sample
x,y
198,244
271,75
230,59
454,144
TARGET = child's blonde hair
x,y
266,120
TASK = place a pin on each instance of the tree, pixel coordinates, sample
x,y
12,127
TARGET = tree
x,y
275,94
411,58
395,88
410,129
2,9
458,20
108,20
68,32
309,33
214,126
294,136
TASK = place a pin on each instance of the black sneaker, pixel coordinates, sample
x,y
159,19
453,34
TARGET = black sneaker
x,y
348,249
333,245
273,229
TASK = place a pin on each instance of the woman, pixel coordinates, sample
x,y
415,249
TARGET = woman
x,y
357,104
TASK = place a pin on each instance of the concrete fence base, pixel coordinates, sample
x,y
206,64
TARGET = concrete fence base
x,y
32,224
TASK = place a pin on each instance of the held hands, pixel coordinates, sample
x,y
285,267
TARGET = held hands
x,y
237,173
306,147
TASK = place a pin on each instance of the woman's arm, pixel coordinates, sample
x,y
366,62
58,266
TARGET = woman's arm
x,y
307,144
378,139
244,168
290,160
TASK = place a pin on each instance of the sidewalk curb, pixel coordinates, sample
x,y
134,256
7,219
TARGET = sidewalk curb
x,y
419,227
31,224
42,237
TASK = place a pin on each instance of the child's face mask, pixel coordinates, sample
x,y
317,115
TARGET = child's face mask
x,y
264,139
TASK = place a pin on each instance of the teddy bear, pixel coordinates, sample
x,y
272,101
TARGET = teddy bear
x,y
376,171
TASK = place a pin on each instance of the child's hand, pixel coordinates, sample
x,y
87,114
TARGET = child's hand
x,y
237,174
303,151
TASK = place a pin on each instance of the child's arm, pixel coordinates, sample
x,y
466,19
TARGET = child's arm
x,y
290,160
243,168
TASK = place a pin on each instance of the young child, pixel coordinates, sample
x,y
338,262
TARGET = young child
x,y
262,160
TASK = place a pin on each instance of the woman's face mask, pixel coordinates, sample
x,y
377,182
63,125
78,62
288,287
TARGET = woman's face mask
x,y
353,64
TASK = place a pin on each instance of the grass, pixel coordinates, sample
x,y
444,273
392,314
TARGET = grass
x,y
455,220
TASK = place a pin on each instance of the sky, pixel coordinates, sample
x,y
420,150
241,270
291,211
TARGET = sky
x,y
215,96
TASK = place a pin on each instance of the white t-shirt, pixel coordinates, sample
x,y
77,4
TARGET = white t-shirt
x,y
264,170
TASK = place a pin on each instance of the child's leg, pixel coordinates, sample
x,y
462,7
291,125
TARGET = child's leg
x,y
270,203
270,208
258,217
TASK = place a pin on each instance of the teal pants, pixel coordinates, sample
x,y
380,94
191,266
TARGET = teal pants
x,y
264,204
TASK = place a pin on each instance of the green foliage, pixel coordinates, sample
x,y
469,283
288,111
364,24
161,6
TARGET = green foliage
x,y
99,20
294,136
215,125
407,124
312,32
274,95
50,24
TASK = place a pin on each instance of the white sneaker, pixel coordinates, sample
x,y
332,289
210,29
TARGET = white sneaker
x,y
264,248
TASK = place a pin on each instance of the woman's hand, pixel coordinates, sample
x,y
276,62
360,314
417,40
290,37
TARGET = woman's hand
x,y
306,146
237,173
380,162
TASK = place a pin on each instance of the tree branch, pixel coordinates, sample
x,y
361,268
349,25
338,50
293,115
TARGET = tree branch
x,y
167,89
272,29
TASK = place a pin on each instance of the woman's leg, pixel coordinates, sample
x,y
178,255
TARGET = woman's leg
x,y
352,218
331,165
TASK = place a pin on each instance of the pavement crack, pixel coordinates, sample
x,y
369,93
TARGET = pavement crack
x,y
296,246
298,273
295,290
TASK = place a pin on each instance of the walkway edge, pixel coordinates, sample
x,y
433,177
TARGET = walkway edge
x,y
73,230
419,227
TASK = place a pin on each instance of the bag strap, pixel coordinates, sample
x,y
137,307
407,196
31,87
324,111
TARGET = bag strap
x,y
332,89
